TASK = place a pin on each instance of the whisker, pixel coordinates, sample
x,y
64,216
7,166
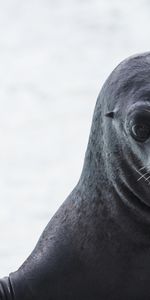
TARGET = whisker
x,y
143,176
141,168
147,178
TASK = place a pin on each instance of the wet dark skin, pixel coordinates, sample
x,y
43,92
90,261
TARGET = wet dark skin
x,y
97,245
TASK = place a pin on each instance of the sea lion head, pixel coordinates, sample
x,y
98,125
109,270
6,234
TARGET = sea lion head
x,y
119,142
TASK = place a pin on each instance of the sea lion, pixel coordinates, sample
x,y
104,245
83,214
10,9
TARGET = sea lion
x,y
97,245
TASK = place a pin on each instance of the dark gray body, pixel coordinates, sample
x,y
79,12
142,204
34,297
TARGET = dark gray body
x,y
97,246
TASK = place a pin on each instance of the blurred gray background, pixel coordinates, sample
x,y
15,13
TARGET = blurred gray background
x,y
54,58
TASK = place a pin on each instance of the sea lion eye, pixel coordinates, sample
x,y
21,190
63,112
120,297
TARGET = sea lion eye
x,y
140,132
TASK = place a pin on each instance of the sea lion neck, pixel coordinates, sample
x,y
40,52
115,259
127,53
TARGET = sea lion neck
x,y
94,174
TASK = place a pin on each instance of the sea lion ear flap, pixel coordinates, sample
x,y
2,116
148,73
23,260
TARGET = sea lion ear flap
x,y
110,114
